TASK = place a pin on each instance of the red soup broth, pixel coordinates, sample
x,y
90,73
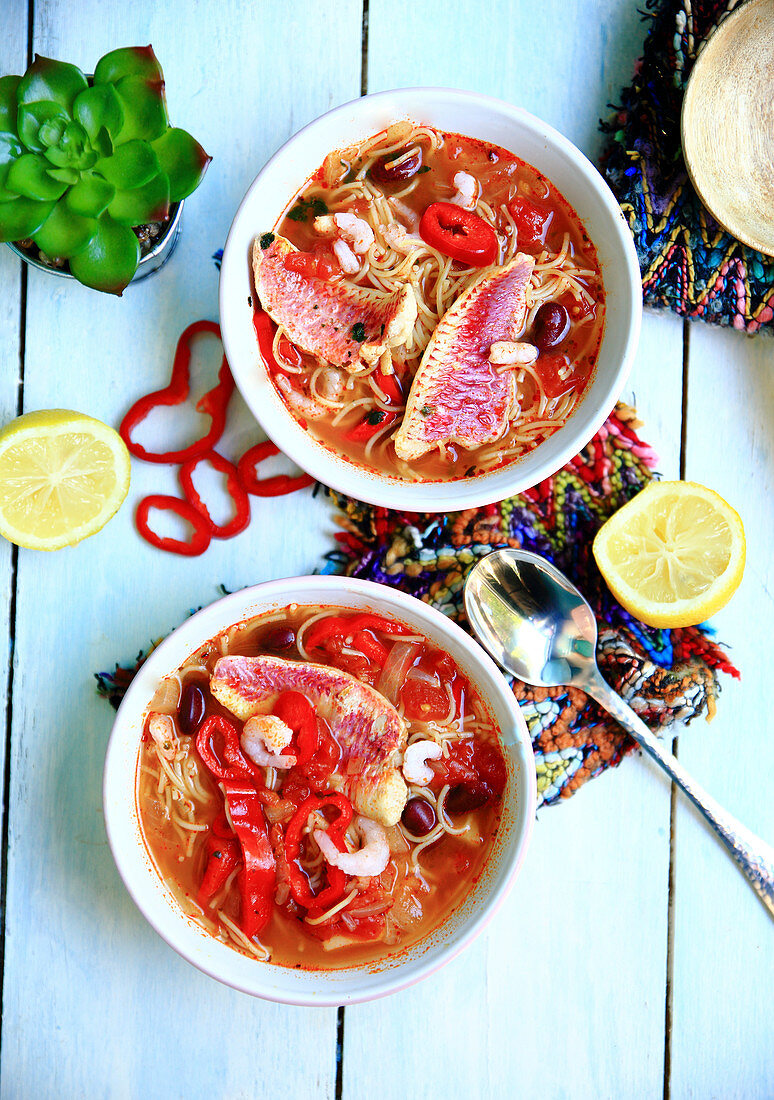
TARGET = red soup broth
x,y
565,315
437,851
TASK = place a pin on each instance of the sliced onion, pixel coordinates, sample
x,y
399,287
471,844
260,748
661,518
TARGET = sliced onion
x,y
399,661
426,677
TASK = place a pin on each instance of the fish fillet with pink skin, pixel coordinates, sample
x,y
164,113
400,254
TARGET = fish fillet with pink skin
x,y
371,733
457,395
326,316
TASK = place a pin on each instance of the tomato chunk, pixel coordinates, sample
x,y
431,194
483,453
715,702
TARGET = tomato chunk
x,y
532,222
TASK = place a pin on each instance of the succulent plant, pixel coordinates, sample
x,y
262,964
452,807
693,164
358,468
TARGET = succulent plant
x,y
83,161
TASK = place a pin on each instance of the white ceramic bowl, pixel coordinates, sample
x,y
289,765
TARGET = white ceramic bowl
x,y
277,983
490,120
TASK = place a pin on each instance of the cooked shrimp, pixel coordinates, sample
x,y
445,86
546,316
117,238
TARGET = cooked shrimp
x,y
399,239
347,227
263,739
370,859
466,194
161,727
348,261
512,352
415,770
331,383
299,402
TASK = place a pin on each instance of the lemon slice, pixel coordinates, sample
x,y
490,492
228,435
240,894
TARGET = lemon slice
x,y
674,555
62,476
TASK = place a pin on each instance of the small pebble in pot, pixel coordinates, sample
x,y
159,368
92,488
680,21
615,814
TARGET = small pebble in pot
x,y
279,638
385,170
461,799
419,816
190,712
551,325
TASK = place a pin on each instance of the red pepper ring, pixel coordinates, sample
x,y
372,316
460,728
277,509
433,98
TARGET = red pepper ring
x,y
212,404
241,516
230,763
297,880
267,486
459,233
200,539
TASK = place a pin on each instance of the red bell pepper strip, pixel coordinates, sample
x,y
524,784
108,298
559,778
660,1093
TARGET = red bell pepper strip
x,y
388,384
299,884
370,424
258,875
241,516
267,486
377,623
222,857
200,539
296,711
212,404
228,763
331,627
371,647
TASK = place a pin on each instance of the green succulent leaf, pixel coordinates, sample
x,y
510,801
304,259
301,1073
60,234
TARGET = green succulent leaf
x,y
91,196
51,80
50,133
99,107
110,258
20,218
32,116
9,105
130,61
149,203
145,109
64,233
29,177
10,149
183,160
132,165
73,150
102,144
69,176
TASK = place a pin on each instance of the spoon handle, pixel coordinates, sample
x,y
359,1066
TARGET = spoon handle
x,y
754,857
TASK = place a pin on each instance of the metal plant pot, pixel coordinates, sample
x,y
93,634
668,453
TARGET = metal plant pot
x,y
149,263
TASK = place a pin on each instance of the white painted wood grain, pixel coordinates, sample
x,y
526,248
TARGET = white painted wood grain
x,y
723,1029
94,1003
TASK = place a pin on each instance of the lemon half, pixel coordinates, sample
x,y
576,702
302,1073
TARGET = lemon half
x,y
62,476
674,555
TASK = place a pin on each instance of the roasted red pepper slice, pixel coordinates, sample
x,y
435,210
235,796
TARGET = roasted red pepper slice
x,y
296,711
222,857
267,486
388,384
460,234
377,623
299,884
212,404
258,875
241,516
532,222
200,539
227,761
374,650
373,422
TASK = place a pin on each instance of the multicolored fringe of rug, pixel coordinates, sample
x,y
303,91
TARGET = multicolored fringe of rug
x,y
666,675
689,263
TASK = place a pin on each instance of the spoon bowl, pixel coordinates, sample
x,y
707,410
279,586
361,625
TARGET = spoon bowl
x,y
537,625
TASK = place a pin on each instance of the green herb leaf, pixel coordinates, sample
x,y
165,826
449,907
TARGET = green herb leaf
x,y
97,107
110,259
21,218
427,410
376,416
128,61
183,160
149,203
131,165
423,169
304,207
358,332
64,233
145,111
54,81
29,177
266,240
9,105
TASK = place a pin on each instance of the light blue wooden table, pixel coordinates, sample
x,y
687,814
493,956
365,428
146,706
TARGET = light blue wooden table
x,y
632,960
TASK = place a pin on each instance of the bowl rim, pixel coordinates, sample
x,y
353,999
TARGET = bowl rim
x,y
118,806
368,485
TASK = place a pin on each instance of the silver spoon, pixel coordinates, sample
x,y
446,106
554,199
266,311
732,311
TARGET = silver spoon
x,y
539,627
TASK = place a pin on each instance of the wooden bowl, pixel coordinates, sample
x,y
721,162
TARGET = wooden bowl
x,y
728,124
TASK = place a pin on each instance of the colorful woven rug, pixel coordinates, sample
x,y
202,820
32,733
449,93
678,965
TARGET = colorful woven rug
x,y
667,675
688,263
